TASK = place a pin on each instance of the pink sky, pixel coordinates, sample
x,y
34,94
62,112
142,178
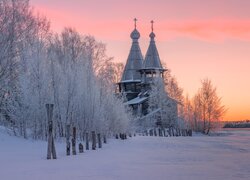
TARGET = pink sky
x,y
196,39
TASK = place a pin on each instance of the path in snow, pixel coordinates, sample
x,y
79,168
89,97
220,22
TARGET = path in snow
x,y
139,158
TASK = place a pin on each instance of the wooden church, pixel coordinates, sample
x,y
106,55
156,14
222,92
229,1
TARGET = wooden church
x,y
138,77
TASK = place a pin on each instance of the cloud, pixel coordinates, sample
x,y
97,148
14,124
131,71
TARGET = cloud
x,y
210,29
119,29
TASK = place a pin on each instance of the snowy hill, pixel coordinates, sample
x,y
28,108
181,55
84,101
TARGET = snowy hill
x,y
138,158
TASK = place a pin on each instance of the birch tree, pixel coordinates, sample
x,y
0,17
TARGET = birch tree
x,y
70,70
208,106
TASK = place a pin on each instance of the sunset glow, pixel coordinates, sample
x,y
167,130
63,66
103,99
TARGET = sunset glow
x,y
196,39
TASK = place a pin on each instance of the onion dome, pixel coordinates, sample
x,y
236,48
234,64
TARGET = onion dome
x,y
152,35
135,34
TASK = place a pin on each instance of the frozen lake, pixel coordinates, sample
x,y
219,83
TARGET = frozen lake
x,y
226,156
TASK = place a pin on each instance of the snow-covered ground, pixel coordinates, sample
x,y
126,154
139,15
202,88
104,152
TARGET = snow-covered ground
x,y
139,158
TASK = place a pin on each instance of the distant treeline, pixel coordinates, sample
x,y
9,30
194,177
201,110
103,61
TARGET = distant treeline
x,y
242,124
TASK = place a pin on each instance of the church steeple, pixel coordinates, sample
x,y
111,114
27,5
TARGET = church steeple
x,y
152,59
135,59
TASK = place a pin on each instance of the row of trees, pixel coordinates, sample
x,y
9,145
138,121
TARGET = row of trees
x,y
74,73
204,111
70,70
199,113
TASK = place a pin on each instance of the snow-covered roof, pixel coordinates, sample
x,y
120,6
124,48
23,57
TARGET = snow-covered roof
x,y
153,112
131,80
137,100
153,68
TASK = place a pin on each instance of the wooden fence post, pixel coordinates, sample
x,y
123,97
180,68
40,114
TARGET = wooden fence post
x,y
87,141
80,148
124,136
74,141
177,132
104,139
171,131
99,140
51,145
151,132
164,132
160,132
68,140
190,132
93,140
155,133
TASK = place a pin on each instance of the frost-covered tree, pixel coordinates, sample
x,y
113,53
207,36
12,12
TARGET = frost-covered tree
x,y
110,74
204,110
17,27
164,107
67,69
33,77
209,107
188,113
172,87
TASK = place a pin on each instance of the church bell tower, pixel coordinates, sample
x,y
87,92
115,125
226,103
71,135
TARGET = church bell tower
x,y
130,83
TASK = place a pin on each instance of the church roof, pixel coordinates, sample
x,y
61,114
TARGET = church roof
x,y
137,100
152,59
135,59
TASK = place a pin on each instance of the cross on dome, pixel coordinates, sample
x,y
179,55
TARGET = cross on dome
x,y
135,35
135,20
152,25
152,34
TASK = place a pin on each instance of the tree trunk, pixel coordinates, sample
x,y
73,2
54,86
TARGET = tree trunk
x,y
87,141
74,141
51,145
80,148
93,140
68,141
104,139
99,140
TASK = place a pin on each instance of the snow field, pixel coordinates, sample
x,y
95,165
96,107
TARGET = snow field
x,y
139,158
